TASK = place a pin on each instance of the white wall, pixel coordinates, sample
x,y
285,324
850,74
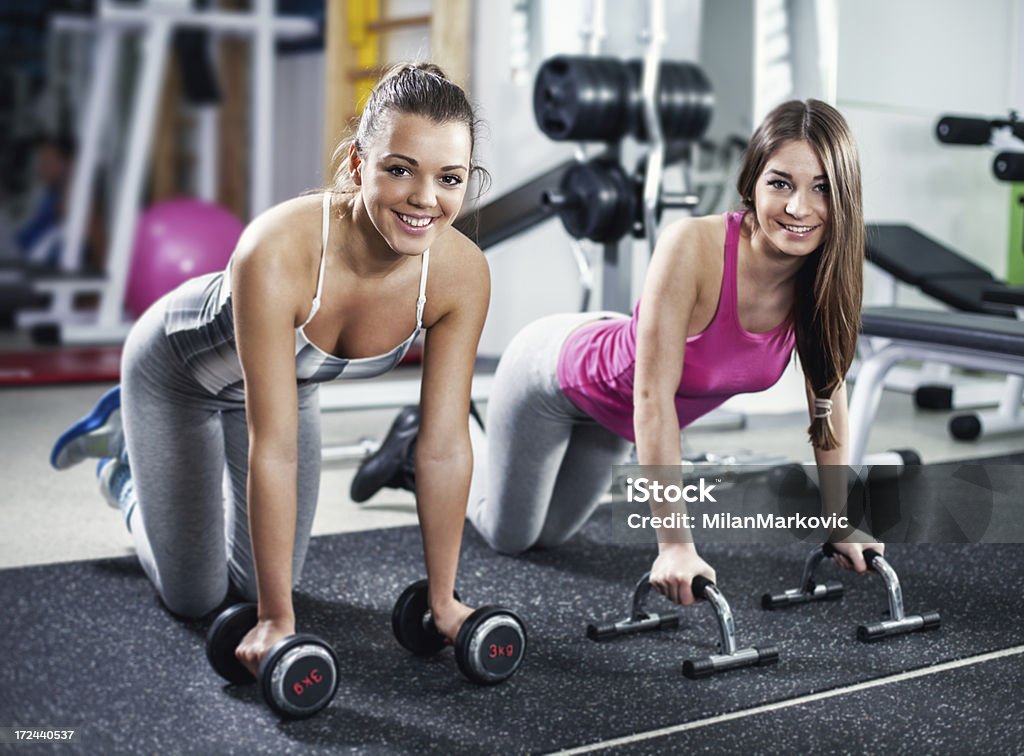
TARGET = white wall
x,y
902,65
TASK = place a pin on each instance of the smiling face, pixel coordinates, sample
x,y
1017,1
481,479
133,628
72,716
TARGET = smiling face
x,y
791,199
412,179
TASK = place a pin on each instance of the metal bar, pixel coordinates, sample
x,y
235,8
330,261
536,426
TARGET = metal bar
x,y
726,624
515,211
144,113
652,119
262,117
101,88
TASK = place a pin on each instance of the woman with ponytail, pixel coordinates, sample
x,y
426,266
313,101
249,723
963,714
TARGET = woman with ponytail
x,y
220,377
725,303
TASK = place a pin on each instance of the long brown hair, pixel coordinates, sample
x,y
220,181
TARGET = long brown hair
x,y
826,325
415,88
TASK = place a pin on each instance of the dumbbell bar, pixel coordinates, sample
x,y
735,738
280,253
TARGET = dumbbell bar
x,y
583,98
298,677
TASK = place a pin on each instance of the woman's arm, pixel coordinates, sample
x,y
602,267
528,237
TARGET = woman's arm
x,y
444,459
832,483
264,300
670,297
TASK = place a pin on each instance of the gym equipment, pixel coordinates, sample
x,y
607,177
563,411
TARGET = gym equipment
x,y
596,200
638,620
972,130
582,98
598,99
730,657
907,255
1009,166
489,647
176,240
1006,135
898,622
807,590
298,677
975,342
113,24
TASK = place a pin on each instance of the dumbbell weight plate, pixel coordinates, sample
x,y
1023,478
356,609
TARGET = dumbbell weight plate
x,y
490,645
299,676
599,203
581,98
223,638
407,621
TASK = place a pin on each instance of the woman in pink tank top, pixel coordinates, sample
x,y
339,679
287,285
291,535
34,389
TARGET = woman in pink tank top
x,y
725,302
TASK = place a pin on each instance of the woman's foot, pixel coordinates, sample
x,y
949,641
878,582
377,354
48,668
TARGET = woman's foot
x,y
117,487
392,465
98,434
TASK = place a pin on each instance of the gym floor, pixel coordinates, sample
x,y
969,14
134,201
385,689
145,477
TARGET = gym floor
x,y
48,518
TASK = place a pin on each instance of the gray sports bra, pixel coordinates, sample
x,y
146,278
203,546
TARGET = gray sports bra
x,y
313,363
200,326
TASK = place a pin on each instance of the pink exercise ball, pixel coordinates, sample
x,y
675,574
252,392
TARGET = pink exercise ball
x,y
176,240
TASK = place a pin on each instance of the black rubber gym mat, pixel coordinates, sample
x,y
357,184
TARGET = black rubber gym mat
x,y
969,710
88,645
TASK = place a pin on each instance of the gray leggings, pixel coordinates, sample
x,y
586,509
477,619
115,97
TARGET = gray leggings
x,y
545,464
188,453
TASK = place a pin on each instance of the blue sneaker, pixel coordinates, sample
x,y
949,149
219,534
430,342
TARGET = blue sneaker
x,y
98,434
115,479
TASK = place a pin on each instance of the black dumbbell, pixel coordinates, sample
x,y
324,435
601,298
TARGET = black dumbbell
x,y
489,647
299,675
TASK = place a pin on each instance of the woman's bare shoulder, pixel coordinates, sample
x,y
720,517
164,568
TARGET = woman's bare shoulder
x,y
287,235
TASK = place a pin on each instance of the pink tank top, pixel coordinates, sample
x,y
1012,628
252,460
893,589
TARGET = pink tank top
x,y
597,362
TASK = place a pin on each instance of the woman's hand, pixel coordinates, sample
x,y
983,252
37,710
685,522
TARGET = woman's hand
x,y
674,570
449,617
258,641
851,550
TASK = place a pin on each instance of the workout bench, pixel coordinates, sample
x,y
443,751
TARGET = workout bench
x,y
978,342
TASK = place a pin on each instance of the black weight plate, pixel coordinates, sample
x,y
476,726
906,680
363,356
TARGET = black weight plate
x,y
498,654
581,98
624,211
309,682
407,621
705,103
551,100
223,638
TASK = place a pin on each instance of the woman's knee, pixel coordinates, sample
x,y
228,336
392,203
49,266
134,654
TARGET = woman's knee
x,y
192,603
509,543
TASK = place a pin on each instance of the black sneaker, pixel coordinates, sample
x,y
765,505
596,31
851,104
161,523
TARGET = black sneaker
x,y
391,465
